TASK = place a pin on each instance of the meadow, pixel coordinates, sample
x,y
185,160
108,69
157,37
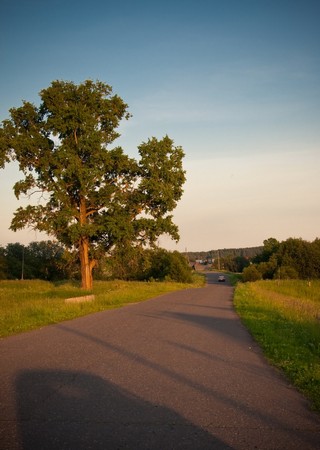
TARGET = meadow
x,y
284,318
29,304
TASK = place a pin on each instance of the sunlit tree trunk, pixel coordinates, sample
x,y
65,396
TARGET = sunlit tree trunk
x,y
85,264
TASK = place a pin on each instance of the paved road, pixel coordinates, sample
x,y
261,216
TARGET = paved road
x,y
176,372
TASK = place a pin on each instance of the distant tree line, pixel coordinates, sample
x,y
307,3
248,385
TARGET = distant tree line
x,y
230,259
44,260
293,258
48,260
247,252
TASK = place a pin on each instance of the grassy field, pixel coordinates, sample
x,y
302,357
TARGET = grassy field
x,y
284,318
30,304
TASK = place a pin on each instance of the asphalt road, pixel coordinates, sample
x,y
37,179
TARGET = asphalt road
x,y
175,372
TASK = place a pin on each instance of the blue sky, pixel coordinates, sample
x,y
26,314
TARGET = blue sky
x,y
235,83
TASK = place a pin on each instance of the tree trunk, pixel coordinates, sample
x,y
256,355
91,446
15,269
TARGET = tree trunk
x,y
85,264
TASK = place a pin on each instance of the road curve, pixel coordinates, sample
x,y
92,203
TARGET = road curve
x,y
176,372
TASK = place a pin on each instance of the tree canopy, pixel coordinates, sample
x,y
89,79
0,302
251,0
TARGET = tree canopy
x,y
92,197
292,258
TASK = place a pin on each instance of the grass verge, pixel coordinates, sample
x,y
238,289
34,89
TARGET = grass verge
x,y
29,304
284,318
234,278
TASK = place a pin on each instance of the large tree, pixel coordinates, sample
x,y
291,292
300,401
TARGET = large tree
x,y
92,197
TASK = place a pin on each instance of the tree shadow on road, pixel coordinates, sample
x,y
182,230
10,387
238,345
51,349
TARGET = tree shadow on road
x,y
69,410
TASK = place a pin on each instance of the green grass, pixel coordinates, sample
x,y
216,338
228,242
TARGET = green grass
x,y
234,278
29,304
284,318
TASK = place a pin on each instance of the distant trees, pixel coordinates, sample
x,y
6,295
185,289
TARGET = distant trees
x,y
245,254
292,258
39,260
270,247
233,264
3,264
15,256
48,260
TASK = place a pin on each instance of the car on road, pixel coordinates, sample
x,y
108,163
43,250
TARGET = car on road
x,y
221,278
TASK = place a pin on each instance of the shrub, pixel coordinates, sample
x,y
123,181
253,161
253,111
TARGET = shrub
x,y
170,266
251,273
287,273
134,263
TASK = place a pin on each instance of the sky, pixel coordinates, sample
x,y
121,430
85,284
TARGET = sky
x,y
235,83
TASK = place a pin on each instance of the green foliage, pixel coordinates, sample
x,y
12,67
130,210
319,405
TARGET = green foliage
x,y
287,273
14,255
270,247
42,260
5,145
171,266
47,257
3,264
135,263
234,278
283,316
290,259
47,260
128,263
162,176
93,198
233,264
301,257
251,273
60,148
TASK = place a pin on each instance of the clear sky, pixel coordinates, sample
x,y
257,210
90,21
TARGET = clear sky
x,y
236,83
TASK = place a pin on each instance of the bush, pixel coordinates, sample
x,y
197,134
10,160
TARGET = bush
x,y
251,273
287,273
127,263
169,266
134,263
